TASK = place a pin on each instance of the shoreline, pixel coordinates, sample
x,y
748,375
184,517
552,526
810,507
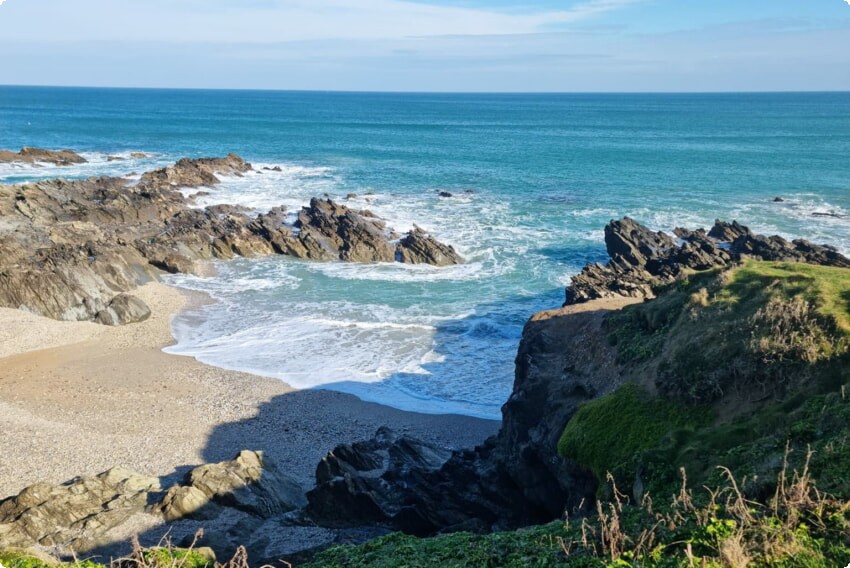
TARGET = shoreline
x,y
77,398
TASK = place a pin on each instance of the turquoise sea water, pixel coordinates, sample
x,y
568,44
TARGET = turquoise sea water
x,y
534,177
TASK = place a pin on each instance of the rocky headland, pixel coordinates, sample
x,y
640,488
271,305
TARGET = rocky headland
x,y
75,249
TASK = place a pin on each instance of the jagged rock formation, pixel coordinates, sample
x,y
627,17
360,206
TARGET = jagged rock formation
x,y
74,515
71,250
352,480
77,515
330,231
642,259
420,248
195,172
34,155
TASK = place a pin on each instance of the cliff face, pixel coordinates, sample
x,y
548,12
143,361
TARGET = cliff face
x,y
516,478
564,360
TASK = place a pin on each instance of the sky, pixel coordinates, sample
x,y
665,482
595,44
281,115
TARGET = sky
x,y
430,45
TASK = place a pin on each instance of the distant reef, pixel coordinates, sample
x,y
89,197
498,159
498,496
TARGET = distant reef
x,y
29,155
74,249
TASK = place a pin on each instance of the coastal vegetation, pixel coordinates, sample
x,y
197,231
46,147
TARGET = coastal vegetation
x,y
717,527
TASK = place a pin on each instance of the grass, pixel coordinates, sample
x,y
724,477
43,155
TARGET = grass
x,y
797,526
605,434
826,288
165,555
757,328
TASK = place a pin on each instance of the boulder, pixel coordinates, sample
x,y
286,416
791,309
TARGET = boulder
x,y
249,483
182,501
418,247
123,309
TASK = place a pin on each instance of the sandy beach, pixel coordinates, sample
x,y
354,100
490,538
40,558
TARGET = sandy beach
x,y
77,398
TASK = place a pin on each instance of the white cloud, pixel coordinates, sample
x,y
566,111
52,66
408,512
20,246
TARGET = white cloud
x,y
267,21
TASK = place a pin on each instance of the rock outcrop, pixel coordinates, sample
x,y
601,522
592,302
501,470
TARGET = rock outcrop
x,y
330,231
249,483
74,516
72,250
195,172
515,479
642,260
35,155
418,247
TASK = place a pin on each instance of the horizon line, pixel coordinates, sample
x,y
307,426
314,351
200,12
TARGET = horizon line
x,y
420,92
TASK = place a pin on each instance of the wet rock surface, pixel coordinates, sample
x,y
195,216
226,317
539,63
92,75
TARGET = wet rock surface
x,y
72,250
642,260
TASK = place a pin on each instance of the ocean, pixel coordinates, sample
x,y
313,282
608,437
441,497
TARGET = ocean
x,y
534,179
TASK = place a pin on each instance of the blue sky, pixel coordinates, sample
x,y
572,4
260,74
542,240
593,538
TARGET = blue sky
x,y
439,45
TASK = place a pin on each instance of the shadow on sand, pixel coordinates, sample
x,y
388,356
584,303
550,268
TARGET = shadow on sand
x,y
296,430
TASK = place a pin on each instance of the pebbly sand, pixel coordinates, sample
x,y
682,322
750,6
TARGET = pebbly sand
x,y
77,398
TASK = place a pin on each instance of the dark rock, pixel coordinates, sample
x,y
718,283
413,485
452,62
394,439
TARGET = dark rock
x,y
635,243
643,260
828,214
728,232
351,196
444,194
778,199
417,247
